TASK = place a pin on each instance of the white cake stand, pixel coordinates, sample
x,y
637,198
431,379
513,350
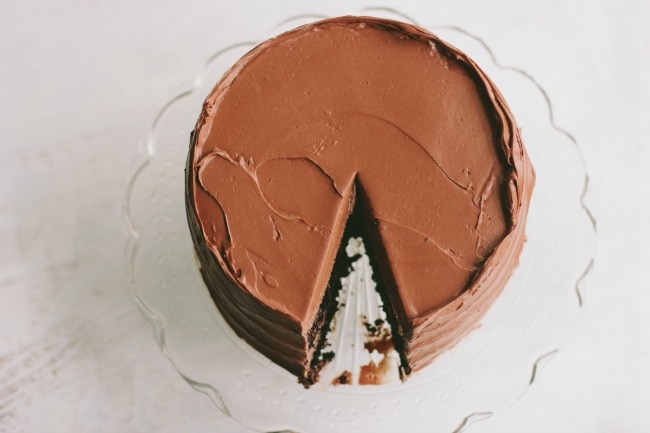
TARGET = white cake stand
x,y
486,372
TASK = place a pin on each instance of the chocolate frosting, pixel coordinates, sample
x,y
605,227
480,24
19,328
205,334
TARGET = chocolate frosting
x,y
356,110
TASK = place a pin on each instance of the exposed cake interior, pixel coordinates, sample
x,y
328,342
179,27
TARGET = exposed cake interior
x,y
366,113
361,224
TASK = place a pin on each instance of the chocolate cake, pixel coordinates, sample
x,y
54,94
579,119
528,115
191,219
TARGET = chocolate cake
x,y
364,120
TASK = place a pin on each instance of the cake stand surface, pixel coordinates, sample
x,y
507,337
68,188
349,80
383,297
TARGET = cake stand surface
x,y
486,372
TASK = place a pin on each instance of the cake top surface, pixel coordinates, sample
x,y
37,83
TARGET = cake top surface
x,y
348,109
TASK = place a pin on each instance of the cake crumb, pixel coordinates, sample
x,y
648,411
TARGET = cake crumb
x,y
344,378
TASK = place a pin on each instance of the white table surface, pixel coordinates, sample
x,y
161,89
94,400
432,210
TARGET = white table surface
x,y
80,82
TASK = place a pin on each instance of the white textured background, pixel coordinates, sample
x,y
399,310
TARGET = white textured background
x,y
80,82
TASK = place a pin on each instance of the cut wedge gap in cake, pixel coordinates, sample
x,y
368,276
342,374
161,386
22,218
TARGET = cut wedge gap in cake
x,y
361,341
